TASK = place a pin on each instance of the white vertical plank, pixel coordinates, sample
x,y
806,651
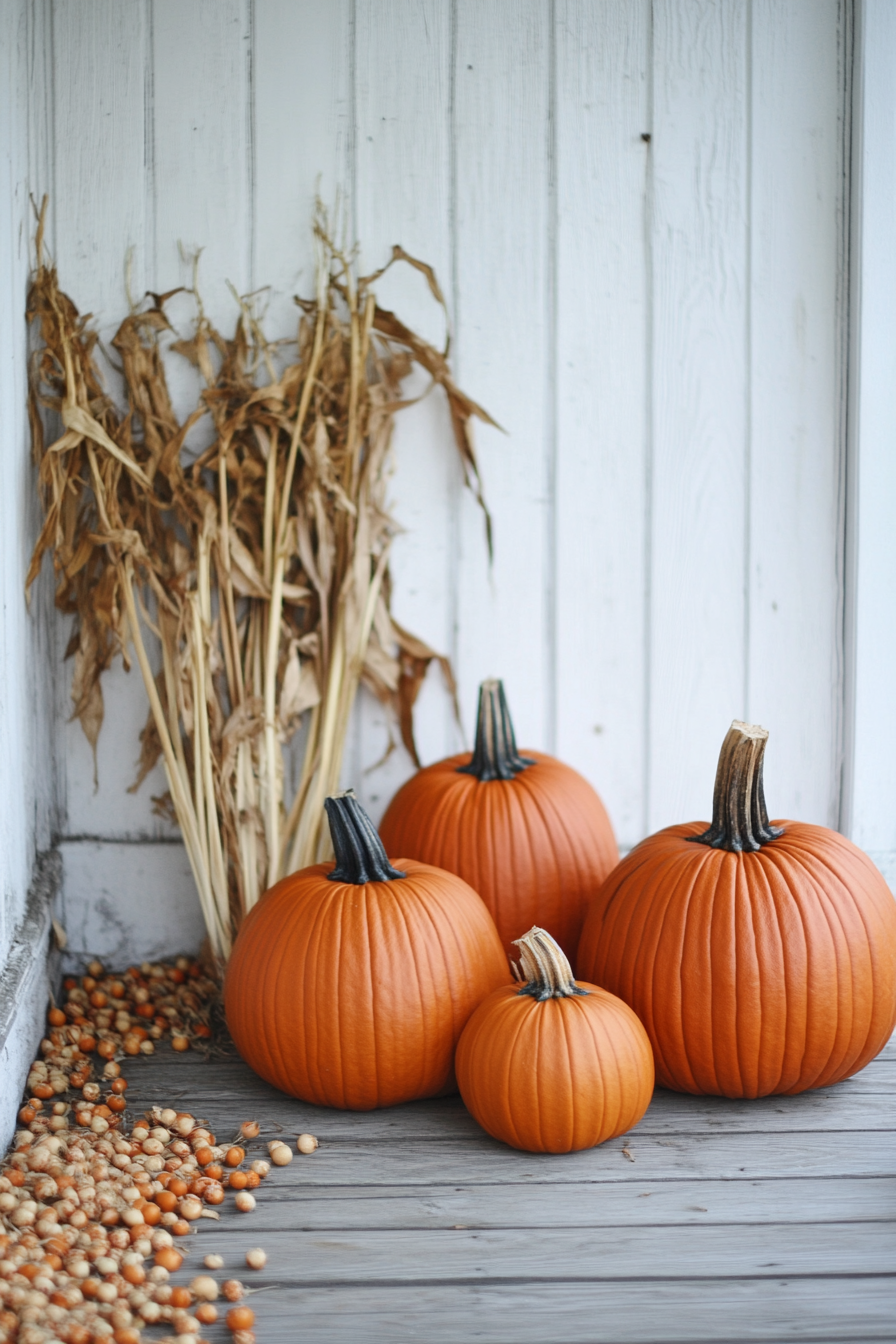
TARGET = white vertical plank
x,y
302,119
302,98
99,55
16,766
794,677
870,812
601,331
502,81
403,195
697,486
26,678
201,147
49,628
40,119
99,86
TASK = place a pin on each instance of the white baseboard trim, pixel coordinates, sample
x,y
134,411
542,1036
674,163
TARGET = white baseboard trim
x,y
126,901
25,989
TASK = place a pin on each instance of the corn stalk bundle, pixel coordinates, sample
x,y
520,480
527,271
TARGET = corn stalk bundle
x,y
252,581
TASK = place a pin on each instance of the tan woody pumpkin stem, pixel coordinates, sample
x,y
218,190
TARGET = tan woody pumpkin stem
x,y
547,971
739,817
495,755
360,856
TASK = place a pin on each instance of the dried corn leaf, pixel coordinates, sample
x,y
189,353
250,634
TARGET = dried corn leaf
x,y
259,570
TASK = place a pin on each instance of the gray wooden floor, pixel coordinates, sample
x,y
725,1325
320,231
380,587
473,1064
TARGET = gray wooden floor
x,y
727,1221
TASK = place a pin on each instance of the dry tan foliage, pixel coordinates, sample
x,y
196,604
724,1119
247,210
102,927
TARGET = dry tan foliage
x,y
260,569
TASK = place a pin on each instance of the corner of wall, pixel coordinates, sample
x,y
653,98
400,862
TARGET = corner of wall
x,y
28,980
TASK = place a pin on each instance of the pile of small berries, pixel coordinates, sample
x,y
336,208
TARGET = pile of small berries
x,y
91,1216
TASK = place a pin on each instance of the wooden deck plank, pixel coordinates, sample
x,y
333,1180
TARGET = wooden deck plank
x,y
223,1088
696,1311
680,1203
751,1157
561,1254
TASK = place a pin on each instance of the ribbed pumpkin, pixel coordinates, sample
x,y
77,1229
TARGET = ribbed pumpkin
x,y
761,958
527,832
556,1065
349,984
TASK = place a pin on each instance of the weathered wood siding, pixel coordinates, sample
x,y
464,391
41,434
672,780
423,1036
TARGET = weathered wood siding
x,y
869,812
28,665
638,212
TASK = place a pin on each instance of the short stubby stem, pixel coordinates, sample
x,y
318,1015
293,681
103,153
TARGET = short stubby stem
x,y
360,856
739,817
495,755
546,967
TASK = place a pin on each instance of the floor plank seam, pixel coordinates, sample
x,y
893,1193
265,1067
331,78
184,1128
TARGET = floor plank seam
x,y
331,1230
529,1280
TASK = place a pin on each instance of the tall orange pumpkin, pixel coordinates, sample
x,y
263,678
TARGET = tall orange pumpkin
x,y
557,1065
527,832
761,958
349,984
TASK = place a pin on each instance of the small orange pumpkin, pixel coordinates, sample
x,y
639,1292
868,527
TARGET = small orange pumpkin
x,y
349,984
527,832
761,958
556,1065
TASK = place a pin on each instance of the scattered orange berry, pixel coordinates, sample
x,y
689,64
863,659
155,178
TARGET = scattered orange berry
x,y
168,1258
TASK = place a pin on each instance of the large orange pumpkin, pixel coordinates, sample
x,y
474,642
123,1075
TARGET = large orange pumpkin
x,y
349,984
527,832
558,1065
761,958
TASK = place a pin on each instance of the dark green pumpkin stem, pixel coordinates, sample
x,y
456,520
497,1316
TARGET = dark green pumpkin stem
x,y
739,817
360,856
545,966
495,755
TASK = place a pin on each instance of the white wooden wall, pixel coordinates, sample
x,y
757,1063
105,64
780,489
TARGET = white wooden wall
x,y
639,212
28,803
869,804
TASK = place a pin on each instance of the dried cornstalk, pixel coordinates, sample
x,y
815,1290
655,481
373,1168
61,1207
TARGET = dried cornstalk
x,y
258,573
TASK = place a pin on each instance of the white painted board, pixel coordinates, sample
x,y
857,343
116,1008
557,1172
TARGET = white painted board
x,y
869,808
502,354
601,449
795,448
696,491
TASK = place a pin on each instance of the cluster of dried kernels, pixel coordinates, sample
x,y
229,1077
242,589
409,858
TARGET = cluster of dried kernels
x,y
90,1247
95,1211
112,1017
136,1195
91,1280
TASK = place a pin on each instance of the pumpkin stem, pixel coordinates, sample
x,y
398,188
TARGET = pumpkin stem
x,y
739,817
545,966
360,856
495,755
